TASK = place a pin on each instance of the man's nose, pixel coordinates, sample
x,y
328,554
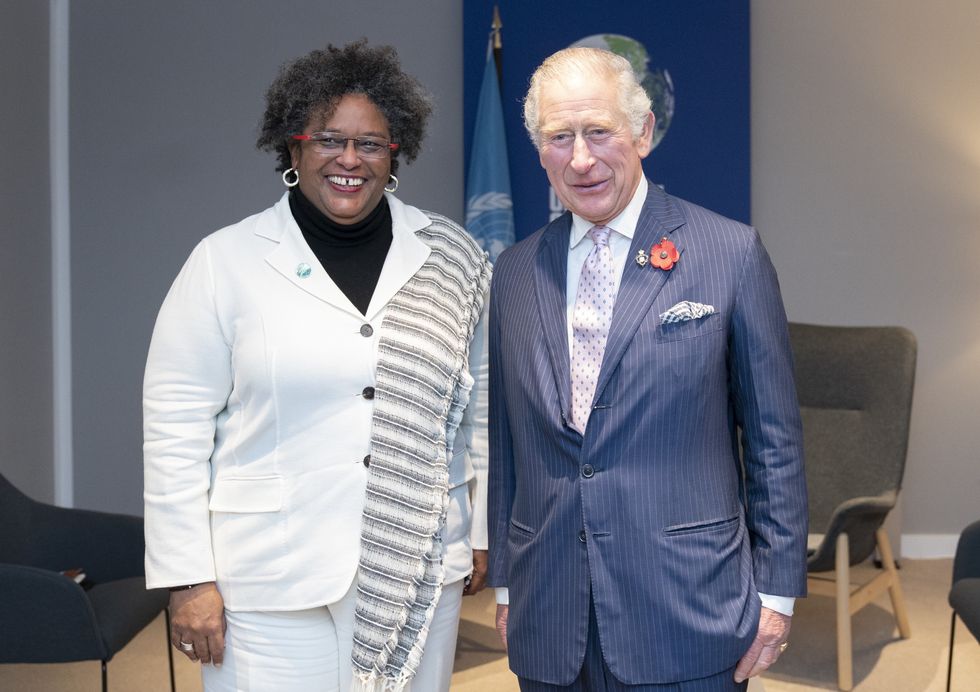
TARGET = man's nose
x,y
581,155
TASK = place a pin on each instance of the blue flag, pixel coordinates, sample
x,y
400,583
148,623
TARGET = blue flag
x,y
489,210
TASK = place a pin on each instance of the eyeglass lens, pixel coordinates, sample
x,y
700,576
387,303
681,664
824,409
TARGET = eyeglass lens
x,y
335,142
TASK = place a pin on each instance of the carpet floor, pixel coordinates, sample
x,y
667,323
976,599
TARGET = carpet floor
x,y
882,661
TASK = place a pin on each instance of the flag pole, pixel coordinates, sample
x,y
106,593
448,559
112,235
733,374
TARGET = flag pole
x,y
498,45
489,207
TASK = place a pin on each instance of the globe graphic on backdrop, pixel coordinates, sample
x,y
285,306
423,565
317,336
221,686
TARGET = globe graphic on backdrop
x,y
655,82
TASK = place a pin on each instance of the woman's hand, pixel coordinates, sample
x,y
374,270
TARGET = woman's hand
x,y
478,577
197,617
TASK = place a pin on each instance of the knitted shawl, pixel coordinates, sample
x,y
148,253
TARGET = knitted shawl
x,y
422,385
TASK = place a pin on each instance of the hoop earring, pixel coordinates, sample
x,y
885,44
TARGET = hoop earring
x,y
285,177
394,185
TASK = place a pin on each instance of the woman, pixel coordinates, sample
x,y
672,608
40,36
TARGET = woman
x,y
315,438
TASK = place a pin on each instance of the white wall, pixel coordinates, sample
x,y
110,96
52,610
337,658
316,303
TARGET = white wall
x,y
866,189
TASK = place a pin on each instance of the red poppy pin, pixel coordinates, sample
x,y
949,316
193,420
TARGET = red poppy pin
x,y
663,255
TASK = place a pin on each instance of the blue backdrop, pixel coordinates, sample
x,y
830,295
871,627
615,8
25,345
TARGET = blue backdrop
x,y
704,154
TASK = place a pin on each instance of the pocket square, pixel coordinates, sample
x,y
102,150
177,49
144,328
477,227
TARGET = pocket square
x,y
686,310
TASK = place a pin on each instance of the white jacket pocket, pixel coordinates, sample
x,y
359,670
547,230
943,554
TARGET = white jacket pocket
x,y
248,529
246,494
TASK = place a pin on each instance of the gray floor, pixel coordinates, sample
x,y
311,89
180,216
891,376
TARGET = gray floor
x,y
882,661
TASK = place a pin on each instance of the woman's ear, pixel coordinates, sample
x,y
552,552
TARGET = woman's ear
x,y
295,151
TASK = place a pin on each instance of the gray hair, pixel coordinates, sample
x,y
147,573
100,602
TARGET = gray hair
x,y
633,99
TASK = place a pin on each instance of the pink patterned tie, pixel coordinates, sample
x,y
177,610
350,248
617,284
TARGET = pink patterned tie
x,y
590,324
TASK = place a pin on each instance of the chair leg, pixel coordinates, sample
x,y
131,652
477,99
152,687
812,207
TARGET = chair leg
x,y
170,649
105,678
949,667
843,576
895,586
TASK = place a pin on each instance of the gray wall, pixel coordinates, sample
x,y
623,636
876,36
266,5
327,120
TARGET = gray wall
x,y
166,99
26,437
866,188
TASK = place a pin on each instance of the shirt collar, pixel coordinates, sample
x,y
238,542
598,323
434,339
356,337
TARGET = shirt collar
x,y
624,224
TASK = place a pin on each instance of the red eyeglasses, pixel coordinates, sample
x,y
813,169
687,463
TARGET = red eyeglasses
x,y
334,144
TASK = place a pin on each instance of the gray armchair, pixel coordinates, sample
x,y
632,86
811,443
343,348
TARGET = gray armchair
x,y
855,391
57,619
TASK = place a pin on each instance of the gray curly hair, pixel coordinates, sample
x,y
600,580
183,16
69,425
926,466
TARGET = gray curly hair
x,y
313,85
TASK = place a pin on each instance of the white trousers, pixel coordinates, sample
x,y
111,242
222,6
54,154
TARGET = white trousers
x,y
309,650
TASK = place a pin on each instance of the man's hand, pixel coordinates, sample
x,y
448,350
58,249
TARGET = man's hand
x,y
502,611
478,578
197,616
773,633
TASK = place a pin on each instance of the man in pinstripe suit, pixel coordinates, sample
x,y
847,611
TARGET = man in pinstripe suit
x,y
647,499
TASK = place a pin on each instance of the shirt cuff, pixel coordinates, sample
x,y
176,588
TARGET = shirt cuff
x,y
781,604
503,595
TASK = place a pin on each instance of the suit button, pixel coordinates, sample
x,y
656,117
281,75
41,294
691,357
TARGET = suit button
x,y
367,330
588,471
368,393
367,461
581,536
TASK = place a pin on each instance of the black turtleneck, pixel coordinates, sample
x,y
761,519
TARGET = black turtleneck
x,y
352,255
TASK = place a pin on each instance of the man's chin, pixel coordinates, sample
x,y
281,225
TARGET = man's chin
x,y
593,213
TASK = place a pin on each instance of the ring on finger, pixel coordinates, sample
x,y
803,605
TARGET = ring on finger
x,y
783,647
186,646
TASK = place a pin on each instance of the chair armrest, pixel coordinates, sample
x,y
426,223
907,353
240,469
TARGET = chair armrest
x,y
107,546
54,619
966,564
859,518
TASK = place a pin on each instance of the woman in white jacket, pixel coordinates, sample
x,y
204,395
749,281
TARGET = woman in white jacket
x,y
314,408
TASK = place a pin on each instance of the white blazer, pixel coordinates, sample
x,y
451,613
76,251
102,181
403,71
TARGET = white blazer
x,y
257,419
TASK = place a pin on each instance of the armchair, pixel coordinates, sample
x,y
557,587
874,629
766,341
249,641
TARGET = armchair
x,y
855,391
964,597
58,620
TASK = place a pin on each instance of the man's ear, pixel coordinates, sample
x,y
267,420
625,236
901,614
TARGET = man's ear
x,y
644,143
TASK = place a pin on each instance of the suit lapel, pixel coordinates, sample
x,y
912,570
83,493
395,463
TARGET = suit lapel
x,y
405,257
639,286
293,258
551,266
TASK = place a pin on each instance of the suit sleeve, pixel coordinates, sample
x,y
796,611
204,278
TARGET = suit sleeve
x,y
186,384
502,473
767,411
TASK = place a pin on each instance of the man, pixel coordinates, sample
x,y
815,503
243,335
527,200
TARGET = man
x,y
647,497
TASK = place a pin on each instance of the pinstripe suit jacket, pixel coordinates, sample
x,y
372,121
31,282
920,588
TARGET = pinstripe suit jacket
x,y
650,510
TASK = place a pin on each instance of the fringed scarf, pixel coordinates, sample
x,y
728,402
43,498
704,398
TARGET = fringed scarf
x,y
422,386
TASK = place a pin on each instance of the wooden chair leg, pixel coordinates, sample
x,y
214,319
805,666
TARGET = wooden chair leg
x,y
843,576
895,586
949,667
170,648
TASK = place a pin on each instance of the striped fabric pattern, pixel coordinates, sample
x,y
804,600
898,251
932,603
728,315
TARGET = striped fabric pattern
x,y
422,386
646,513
